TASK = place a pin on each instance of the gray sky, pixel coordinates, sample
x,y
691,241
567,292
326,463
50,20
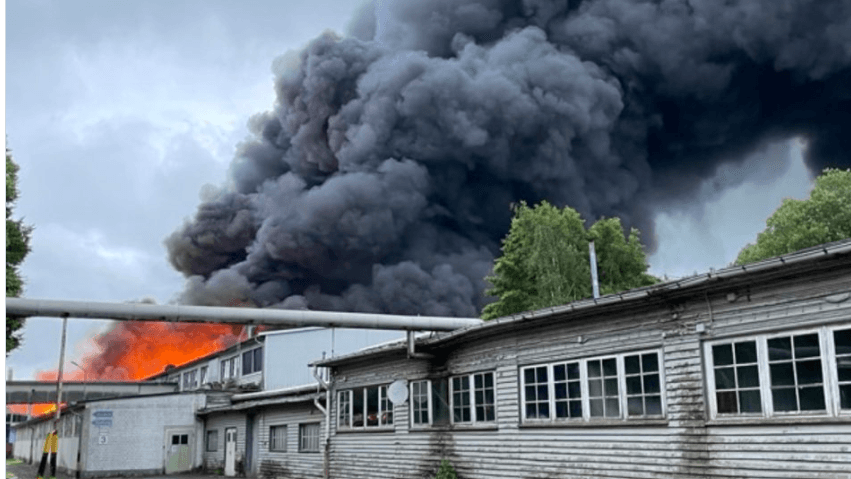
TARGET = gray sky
x,y
119,112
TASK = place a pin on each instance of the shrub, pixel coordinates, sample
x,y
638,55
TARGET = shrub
x,y
445,471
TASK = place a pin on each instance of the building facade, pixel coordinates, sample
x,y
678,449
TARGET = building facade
x,y
743,372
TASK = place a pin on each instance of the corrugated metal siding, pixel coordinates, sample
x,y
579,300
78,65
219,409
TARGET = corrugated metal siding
x,y
216,459
291,463
681,446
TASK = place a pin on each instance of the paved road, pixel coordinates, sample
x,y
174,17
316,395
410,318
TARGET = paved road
x,y
28,471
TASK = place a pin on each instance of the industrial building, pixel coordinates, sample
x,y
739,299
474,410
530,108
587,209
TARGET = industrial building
x,y
741,372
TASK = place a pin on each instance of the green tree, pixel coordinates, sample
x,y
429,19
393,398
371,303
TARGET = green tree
x,y
17,247
824,217
545,260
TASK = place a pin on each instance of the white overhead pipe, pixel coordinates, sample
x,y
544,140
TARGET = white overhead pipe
x,y
208,314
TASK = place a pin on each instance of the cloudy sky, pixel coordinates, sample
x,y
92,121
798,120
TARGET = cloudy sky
x,y
119,114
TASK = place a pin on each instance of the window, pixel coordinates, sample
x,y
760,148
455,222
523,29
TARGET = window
x,y
212,441
186,381
430,402
420,405
626,386
203,379
364,407
278,438
308,437
252,361
781,375
472,398
228,368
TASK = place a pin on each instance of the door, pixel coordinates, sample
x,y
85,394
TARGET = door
x,y
178,447
230,451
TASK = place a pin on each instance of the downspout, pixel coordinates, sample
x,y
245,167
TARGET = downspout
x,y
327,411
412,354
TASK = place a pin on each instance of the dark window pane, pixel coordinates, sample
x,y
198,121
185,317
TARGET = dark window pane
x,y
722,354
781,375
633,385
724,378
842,340
653,405
806,346
596,407
542,392
650,362
576,408
573,371
651,383
544,410
610,367
247,362
746,352
530,393
845,396
632,364
635,406
809,372
489,396
561,409
258,359
726,402
559,374
529,375
477,381
784,399
612,408
843,368
175,439
611,386
812,398
594,369
779,348
574,390
748,376
750,401
489,380
595,387
541,374
561,391
531,411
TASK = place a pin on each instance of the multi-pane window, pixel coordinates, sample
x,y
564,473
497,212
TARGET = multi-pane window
x,y
203,374
420,406
783,374
228,368
212,440
472,398
364,407
623,386
252,361
842,343
308,437
278,438
736,377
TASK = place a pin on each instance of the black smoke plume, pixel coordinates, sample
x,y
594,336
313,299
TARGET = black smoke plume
x,y
381,179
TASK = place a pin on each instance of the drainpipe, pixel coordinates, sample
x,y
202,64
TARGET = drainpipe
x,y
327,411
412,354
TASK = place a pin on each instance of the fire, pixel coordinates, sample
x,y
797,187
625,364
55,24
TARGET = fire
x,y
133,351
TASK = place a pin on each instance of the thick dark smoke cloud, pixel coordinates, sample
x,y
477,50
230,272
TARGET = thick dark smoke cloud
x,y
381,179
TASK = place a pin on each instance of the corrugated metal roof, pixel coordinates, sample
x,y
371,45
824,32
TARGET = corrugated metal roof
x,y
682,285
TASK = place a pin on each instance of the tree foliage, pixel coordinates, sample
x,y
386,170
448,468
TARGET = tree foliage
x,y
545,260
17,247
824,217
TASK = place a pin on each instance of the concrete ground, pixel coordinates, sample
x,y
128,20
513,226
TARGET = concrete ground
x,y
28,471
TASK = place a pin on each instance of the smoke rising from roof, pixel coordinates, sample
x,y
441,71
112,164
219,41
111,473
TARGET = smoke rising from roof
x,y
381,179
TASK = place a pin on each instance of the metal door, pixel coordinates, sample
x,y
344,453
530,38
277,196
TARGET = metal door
x,y
178,455
230,451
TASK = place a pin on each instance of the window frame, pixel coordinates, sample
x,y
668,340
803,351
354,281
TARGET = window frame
x,y
305,447
429,406
273,446
829,371
349,402
584,379
471,396
207,442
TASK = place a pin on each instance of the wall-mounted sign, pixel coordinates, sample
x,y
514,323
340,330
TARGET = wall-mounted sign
x,y
102,413
102,422
102,439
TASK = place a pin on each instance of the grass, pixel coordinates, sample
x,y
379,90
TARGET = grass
x,y
12,462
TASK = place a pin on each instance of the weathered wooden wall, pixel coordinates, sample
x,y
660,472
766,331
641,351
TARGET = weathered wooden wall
x,y
685,444
292,463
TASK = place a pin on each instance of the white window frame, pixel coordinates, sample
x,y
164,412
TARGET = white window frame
x,y
623,410
273,443
429,405
254,368
350,404
203,375
471,392
829,371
